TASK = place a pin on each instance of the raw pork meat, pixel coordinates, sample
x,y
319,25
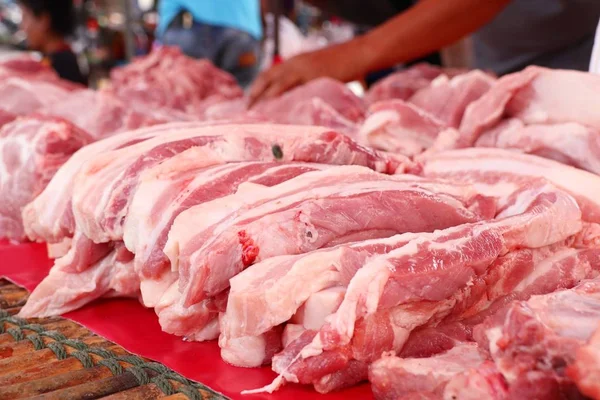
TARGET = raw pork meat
x,y
447,99
410,127
32,149
534,96
394,378
176,185
403,84
101,114
105,185
533,341
569,143
492,169
300,215
6,117
585,371
398,300
21,96
330,91
62,291
399,127
168,79
49,217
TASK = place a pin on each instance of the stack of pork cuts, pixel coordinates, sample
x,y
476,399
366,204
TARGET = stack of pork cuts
x,y
168,79
321,102
32,149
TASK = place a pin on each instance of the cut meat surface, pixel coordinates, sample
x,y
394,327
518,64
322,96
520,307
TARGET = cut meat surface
x,y
394,378
31,149
62,291
569,143
497,169
536,339
447,99
102,114
329,91
113,176
404,84
21,96
302,221
399,127
585,371
49,217
168,79
178,184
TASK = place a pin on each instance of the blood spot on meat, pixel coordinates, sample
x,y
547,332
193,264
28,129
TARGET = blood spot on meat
x,y
249,249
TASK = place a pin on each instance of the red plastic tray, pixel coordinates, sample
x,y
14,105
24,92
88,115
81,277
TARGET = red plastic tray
x,y
135,328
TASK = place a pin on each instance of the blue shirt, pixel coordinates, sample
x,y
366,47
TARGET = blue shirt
x,y
239,14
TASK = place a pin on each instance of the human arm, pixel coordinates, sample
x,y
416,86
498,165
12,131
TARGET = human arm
x,y
427,27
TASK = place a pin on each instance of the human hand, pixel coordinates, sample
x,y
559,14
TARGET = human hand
x,y
341,62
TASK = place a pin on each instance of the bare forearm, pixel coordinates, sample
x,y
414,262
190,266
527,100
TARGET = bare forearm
x,y
427,27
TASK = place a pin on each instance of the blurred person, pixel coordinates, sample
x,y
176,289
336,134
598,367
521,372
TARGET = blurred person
x,y
47,25
508,35
227,32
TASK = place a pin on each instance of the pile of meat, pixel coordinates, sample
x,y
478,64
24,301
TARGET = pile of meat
x,y
439,238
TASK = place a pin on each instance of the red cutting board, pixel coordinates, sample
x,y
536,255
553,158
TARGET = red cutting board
x,y
135,328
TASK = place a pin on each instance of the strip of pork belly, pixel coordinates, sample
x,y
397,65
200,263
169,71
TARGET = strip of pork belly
x,y
394,378
534,341
106,183
568,143
49,217
399,127
534,96
164,193
516,276
447,99
63,291
489,169
322,217
452,258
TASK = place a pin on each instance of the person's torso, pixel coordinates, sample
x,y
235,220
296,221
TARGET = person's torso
x,y
551,33
64,62
239,14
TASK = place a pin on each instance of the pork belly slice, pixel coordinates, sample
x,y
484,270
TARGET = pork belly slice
x,y
569,143
400,127
106,184
32,149
63,291
178,184
534,96
492,170
533,342
49,217
399,378
423,279
350,210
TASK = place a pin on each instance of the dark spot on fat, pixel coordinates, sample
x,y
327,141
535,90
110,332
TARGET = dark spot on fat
x,y
309,234
277,151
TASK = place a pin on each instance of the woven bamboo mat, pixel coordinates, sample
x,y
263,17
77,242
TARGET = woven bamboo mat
x,y
54,358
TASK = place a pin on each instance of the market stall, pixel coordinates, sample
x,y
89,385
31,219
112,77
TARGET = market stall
x,y
171,234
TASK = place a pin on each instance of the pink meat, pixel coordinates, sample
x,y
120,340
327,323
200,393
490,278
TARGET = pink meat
x,y
49,217
585,371
22,96
323,217
532,342
32,149
493,169
399,127
114,175
393,378
62,291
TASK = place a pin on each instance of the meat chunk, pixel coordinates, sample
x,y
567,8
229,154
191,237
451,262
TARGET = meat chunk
x,y
22,96
534,341
32,149
585,371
